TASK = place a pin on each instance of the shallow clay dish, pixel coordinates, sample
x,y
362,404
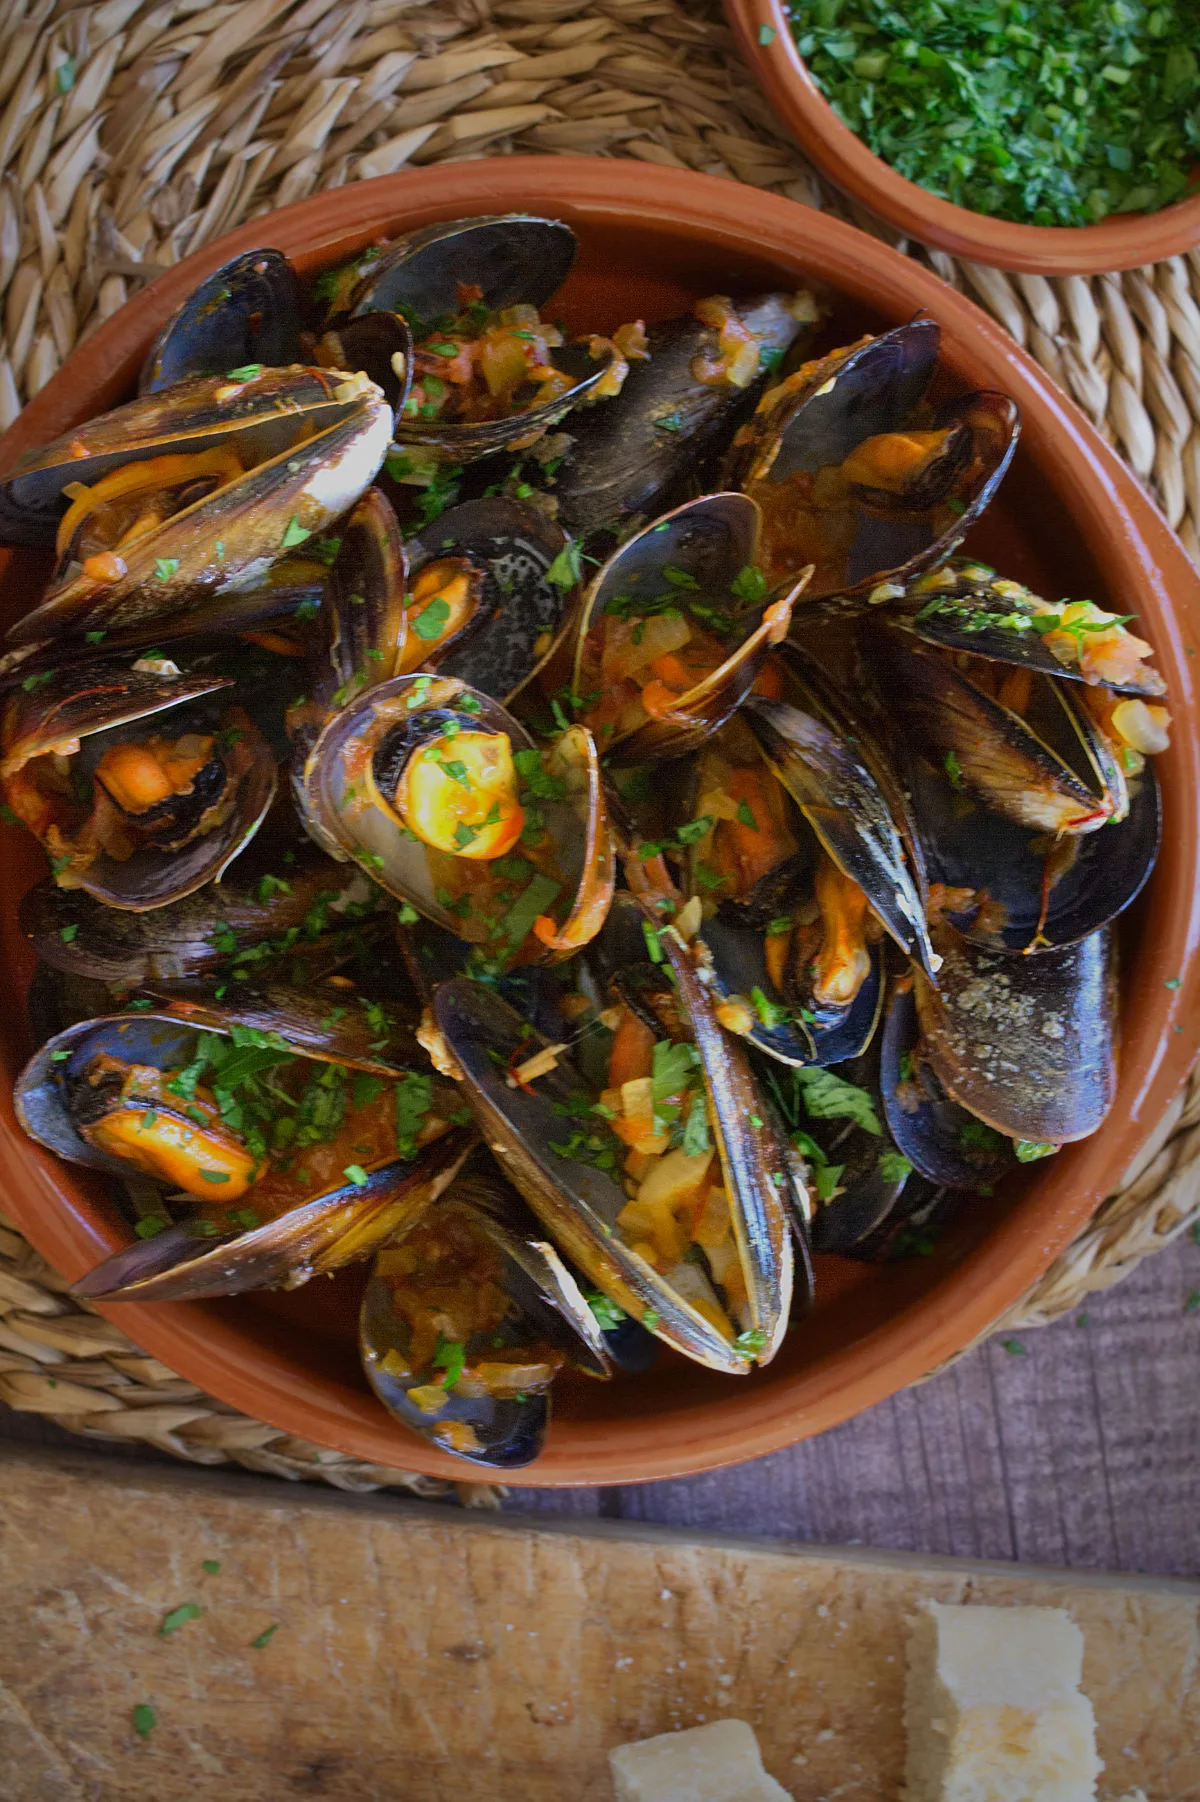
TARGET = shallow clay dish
x,y
762,30
1069,519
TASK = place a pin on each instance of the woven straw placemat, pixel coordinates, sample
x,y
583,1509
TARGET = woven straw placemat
x,y
131,133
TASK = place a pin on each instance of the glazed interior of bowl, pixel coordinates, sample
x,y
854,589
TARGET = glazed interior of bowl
x,y
1120,242
1068,520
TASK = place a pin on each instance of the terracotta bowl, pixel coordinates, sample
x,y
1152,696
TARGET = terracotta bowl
x,y
1069,517
762,30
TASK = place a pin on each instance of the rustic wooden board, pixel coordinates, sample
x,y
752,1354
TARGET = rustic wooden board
x,y
424,1654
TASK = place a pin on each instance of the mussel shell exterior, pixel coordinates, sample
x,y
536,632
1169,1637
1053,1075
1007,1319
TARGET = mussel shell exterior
x,y
968,846
1026,1044
824,772
183,941
910,1228
817,417
247,311
154,877
973,603
638,452
226,542
509,1432
927,1126
868,1197
374,343
97,694
338,1228
1048,770
873,389
578,1203
260,413
522,617
513,258
709,540
362,613
329,1024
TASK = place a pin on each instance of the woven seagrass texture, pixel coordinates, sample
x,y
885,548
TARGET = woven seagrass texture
x,y
133,133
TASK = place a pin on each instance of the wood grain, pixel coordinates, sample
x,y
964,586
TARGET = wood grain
x,y
429,1655
1082,1451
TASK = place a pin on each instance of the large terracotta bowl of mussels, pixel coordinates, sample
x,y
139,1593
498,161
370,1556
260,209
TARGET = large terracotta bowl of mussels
x,y
600,821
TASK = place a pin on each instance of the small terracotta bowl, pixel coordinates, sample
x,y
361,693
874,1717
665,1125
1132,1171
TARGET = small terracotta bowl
x,y
1069,519
1124,242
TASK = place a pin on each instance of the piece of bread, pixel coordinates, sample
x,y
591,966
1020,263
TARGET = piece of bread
x,y
717,1763
994,1710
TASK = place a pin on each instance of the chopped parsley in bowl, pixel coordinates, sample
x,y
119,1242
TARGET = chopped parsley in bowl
x,y
1046,112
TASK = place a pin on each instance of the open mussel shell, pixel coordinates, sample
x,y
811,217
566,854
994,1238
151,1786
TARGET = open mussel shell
x,y
511,259
1026,1044
1047,767
521,616
939,1138
176,846
802,457
691,559
379,345
545,1309
639,452
245,312
578,1203
964,606
327,1023
297,913
1022,892
343,791
54,708
824,771
309,441
869,1177
183,1262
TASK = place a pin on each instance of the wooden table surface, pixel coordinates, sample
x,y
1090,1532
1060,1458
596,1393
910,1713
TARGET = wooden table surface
x,y
1080,1450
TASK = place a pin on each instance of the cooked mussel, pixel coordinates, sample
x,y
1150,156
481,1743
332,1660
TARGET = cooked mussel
x,y
286,1168
136,813
859,474
1026,1044
487,372
447,802
493,594
719,1189
793,939
856,1175
939,1138
627,460
245,313
675,629
1035,828
1014,738
288,907
467,1319
182,501
965,606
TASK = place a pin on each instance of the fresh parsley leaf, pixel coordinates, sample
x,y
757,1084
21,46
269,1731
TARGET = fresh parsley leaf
x,y
179,1617
607,1314
567,568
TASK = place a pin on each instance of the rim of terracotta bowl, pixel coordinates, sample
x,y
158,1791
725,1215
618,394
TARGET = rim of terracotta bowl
x,y
948,1303
1123,242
